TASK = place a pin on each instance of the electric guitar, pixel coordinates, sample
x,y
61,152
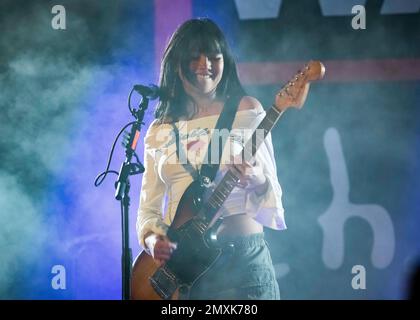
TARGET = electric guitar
x,y
196,215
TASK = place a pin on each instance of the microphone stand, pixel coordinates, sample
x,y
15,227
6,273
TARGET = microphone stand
x,y
122,186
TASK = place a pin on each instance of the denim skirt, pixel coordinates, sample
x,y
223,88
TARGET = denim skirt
x,y
244,271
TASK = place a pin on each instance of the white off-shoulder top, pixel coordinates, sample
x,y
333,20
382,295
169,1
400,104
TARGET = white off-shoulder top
x,y
167,176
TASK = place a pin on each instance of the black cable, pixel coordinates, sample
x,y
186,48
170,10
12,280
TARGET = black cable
x,y
97,183
98,179
132,111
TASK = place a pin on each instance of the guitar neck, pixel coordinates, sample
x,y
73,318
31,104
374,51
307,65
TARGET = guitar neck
x,y
230,179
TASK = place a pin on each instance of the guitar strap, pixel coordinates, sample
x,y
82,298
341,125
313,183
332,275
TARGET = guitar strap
x,y
208,170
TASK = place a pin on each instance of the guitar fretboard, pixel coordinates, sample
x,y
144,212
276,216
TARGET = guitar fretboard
x,y
230,179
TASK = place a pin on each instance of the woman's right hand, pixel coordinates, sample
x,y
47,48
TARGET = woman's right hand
x,y
159,247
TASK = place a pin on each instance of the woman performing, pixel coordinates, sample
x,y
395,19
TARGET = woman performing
x,y
199,77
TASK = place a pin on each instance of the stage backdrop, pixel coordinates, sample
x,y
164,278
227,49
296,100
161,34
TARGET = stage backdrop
x,y
347,162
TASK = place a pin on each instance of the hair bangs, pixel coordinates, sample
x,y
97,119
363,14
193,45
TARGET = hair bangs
x,y
202,44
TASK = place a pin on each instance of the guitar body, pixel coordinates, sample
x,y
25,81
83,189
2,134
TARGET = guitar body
x,y
193,257
144,268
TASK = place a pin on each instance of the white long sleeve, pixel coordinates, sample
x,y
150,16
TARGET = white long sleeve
x,y
153,189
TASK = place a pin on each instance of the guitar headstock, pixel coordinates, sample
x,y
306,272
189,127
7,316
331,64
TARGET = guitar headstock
x,y
294,93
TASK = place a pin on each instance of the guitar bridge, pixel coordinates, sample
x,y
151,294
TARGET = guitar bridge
x,y
164,283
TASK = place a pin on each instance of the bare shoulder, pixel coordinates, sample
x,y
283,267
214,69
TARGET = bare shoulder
x,y
250,103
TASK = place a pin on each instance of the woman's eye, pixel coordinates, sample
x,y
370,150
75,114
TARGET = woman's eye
x,y
216,58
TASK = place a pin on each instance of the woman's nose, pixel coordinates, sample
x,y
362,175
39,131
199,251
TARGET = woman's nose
x,y
203,61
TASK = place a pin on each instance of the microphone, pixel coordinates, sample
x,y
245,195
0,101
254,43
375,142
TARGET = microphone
x,y
150,92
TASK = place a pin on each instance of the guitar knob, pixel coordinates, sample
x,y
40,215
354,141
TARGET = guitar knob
x,y
197,202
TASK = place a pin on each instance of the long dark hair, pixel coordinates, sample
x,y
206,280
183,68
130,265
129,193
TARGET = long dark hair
x,y
200,34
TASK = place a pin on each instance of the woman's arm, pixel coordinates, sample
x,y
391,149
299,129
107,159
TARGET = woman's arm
x,y
151,229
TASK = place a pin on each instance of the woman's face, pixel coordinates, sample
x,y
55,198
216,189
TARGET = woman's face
x,y
204,73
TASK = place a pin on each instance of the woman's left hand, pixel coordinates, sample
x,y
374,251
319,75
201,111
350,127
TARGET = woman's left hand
x,y
251,175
